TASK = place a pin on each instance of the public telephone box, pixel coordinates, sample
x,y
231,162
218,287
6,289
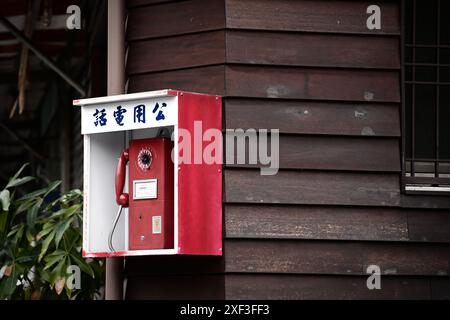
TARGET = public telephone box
x,y
152,174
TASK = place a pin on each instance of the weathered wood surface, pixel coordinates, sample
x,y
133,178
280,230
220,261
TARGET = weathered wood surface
x,y
310,15
305,187
335,257
315,50
187,51
175,18
336,223
315,222
294,287
311,117
323,153
312,84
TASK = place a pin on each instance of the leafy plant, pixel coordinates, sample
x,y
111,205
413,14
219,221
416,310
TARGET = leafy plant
x,y
40,241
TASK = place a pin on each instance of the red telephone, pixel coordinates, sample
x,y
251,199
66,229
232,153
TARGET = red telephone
x,y
150,183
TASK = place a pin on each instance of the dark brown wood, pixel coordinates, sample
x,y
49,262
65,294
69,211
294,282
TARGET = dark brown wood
x,y
288,256
306,83
165,265
408,258
203,80
310,15
325,153
185,287
137,3
429,225
175,18
425,201
303,187
440,288
176,52
313,117
302,49
335,257
315,222
294,287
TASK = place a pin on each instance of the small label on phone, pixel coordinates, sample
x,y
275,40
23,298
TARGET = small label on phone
x,y
156,224
145,189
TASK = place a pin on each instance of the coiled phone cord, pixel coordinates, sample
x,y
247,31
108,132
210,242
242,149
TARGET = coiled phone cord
x,y
110,238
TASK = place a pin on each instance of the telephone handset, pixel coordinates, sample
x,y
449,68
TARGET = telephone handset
x,y
150,197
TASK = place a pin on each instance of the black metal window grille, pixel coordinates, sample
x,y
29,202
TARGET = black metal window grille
x,y
426,95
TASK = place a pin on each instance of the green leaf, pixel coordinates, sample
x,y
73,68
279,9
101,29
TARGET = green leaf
x,y
43,233
58,271
8,285
19,234
71,238
33,212
46,243
13,230
84,266
18,182
3,219
19,172
29,236
52,187
34,194
24,206
50,261
5,199
61,229
26,258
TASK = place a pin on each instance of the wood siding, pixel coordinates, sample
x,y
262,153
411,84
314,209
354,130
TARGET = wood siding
x,y
332,87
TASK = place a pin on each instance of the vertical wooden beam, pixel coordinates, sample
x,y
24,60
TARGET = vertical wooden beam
x,y
116,85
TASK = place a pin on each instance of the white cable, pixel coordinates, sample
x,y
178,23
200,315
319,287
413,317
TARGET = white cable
x,y
110,238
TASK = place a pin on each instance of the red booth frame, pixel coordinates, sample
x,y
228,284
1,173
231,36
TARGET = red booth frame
x,y
198,187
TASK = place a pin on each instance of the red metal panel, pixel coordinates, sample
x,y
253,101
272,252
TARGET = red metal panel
x,y
159,167
200,185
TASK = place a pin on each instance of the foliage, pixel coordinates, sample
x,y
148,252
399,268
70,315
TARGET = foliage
x,y
40,237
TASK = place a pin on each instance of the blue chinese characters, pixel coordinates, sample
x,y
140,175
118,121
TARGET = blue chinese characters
x,y
121,117
118,115
100,117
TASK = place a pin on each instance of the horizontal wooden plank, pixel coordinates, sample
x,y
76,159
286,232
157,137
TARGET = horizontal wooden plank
x,y
335,257
324,50
137,3
321,153
272,82
186,287
315,222
440,288
165,265
429,225
425,201
297,287
310,15
305,187
175,18
202,80
310,83
336,223
176,52
313,117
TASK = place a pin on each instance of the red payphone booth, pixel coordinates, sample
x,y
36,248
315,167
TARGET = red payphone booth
x,y
142,194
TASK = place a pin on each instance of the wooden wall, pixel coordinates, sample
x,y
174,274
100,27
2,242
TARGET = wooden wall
x,y
332,87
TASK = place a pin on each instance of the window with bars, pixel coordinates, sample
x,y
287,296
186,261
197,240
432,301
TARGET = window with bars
x,y
426,95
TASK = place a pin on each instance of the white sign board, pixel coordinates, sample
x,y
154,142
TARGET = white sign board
x,y
129,115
